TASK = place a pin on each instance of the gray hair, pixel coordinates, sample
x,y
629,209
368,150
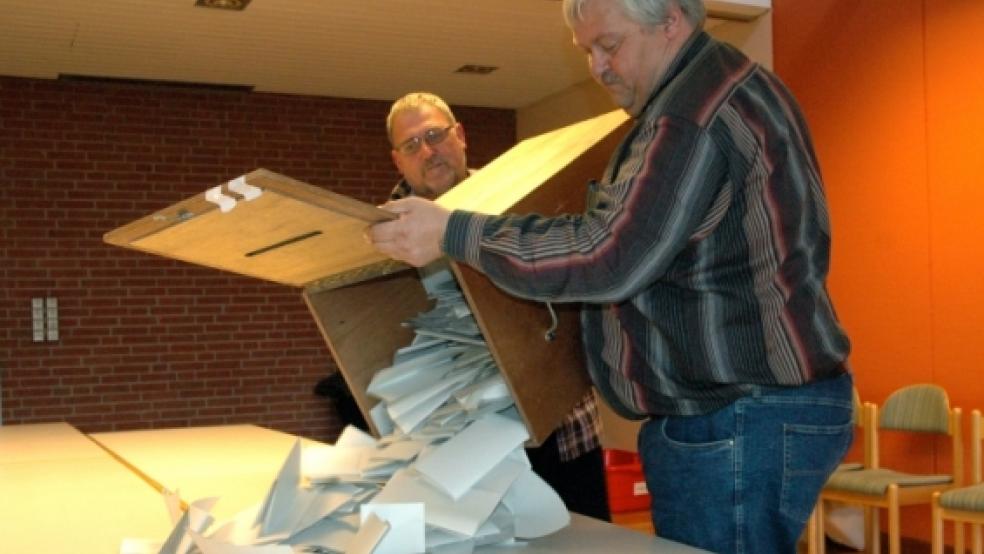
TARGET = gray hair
x,y
645,12
413,102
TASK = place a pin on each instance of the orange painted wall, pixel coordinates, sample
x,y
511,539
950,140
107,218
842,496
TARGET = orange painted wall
x,y
894,93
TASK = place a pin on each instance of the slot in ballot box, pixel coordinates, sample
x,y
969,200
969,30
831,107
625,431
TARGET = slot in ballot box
x,y
276,228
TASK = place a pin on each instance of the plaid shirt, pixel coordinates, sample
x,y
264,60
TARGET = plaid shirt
x,y
580,432
702,258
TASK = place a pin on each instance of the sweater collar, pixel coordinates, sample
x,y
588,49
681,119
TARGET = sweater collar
x,y
688,52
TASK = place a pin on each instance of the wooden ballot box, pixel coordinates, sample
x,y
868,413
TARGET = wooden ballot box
x,y
272,227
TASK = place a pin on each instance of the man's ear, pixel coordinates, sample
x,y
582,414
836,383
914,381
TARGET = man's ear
x,y
396,160
459,130
674,19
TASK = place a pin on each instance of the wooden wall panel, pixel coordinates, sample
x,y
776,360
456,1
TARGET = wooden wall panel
x,y
857,71
894,96
955,125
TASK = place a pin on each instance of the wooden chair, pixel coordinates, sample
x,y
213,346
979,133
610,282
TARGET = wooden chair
x,y
861,426
815,540
920,408
966,504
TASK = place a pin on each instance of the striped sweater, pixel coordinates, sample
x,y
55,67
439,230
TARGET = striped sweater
x,y
702,257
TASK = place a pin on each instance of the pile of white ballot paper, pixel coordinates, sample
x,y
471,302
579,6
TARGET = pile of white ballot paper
x,y
449,473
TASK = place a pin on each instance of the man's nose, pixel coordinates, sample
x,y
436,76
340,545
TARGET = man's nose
x,y
597,64
426,150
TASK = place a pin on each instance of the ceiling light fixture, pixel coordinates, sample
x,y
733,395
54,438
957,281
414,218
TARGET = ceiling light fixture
x,y
237,5
476,69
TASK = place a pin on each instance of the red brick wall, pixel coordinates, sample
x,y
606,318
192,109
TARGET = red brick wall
x,y
148,342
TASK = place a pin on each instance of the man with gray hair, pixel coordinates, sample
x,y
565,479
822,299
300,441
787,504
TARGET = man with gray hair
x,y
429,151
701,263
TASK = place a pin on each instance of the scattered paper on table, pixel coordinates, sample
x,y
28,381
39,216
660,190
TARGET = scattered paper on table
x,y
448,475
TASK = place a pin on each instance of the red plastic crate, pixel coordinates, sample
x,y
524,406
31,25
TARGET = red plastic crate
x,y
626,485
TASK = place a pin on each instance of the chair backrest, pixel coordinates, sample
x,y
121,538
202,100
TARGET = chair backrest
x,y
922,408
916,408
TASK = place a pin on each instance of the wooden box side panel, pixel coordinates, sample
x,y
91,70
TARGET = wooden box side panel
x,y
565,192
362,325
513,176
547,378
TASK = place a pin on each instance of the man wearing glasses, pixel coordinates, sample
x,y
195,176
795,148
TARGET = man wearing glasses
x,y
429,151
428,146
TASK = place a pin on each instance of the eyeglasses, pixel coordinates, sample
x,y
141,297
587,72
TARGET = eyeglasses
x,y
432,136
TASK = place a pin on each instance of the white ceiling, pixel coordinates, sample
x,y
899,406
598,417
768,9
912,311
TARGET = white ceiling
x,y
378,49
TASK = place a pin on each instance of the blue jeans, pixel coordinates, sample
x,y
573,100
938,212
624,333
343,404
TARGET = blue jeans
x,y
745,478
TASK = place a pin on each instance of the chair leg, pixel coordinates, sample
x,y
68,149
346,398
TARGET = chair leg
x,y
874,535
811,530
937,515
975,530
958,537
820,524
894,533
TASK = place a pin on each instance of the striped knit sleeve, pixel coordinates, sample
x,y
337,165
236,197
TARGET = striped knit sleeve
x,y
618,247
462,237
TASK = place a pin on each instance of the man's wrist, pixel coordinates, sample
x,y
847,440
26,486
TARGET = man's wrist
x,y
463,235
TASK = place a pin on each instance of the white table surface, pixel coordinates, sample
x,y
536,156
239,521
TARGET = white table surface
x,y
59,492
238,463
588,535
45,441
